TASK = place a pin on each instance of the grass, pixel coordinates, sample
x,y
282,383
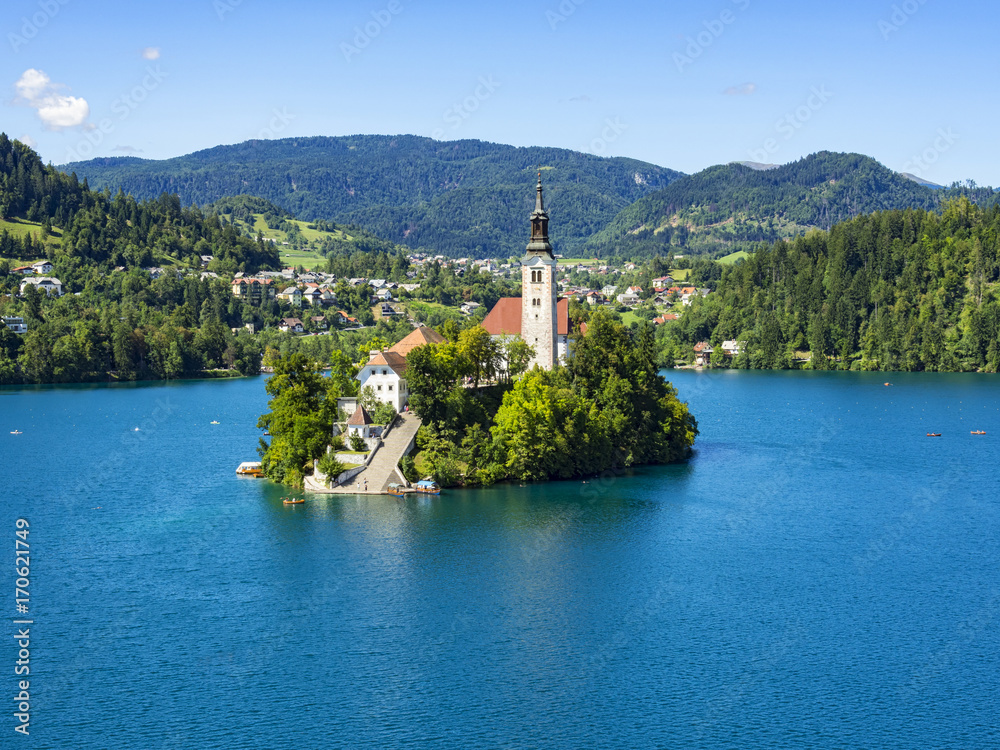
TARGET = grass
x,y
414,306
628,318
578,262
733,257
307,256
680,274
21,227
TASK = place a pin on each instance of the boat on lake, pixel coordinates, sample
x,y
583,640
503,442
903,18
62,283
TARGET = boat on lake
x,y
250,469
294,500
978,432
396,490
16,432
933,434
427,487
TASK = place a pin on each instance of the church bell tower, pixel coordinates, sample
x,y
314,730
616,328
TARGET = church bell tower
x,y
538,289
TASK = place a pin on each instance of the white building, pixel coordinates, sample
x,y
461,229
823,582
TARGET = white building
x,y
47,284
537,316
15,325
385,373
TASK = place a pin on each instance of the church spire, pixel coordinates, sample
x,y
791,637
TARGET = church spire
x,y
539,225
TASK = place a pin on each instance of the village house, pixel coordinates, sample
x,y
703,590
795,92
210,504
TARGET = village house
x,y
50,285
291,325
292,295
732,348
703,353
206,259
319,322
42,267
254,290
470,307
23,270
15,325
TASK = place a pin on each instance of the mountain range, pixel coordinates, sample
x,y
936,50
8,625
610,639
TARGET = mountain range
x,y
472,197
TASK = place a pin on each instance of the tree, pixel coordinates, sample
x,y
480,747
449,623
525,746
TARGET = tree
x,y
329,465
299,419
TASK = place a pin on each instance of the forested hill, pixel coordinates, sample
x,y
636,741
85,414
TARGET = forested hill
x,y
897,290
459,197
734,206
83,227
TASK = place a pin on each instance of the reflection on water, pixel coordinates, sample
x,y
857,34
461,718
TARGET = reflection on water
x,y
820,574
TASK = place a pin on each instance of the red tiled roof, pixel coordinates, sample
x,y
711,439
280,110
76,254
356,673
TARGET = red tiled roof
x,y
505,317
419,337
389,359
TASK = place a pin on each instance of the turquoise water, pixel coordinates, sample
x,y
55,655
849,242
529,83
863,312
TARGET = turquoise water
x,y
820,575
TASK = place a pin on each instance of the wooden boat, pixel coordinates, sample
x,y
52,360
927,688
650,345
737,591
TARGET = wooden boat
x,y
16,432
978,432
427,487
396,490
933,434
250,469
294,500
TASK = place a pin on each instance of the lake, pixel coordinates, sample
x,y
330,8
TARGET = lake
x,y
821,575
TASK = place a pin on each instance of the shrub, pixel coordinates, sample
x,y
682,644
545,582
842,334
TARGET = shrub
x,y
358,443
329,465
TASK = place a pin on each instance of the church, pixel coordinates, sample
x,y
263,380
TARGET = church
x,y
537,316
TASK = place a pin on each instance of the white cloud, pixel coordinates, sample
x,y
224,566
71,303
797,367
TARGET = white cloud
x,y
744,89
127,149
151,53
28,141
56,110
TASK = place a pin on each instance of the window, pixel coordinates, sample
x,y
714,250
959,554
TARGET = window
x,y
384,372
390,386
380,387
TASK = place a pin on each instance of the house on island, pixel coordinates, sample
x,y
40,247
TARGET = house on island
x,y
360,423
385,371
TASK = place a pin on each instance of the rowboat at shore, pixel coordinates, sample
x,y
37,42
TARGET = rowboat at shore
x,y
396,490
427,487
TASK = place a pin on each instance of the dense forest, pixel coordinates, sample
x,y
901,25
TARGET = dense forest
x,y
607,409
460,198
734,207
895,290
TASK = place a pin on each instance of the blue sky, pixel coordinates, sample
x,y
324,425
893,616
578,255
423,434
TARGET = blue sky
x,y
681,84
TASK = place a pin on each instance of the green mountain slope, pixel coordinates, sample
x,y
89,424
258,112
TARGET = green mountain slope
x,y
732,207
459,198
895,290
